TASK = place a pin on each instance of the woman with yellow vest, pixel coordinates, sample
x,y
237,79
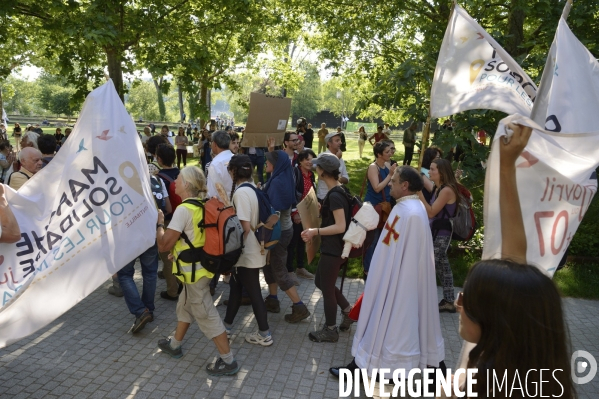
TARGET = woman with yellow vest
x,y
195,301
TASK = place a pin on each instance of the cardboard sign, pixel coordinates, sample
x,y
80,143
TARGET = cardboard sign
x,y
267,117
308,210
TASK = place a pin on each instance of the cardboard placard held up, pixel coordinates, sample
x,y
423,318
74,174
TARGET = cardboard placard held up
x,y
308,210
267,117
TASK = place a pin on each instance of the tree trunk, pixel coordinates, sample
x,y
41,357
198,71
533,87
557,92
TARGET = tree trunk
x,y
181,109
516,29
115,70
204,105
2,109
161,106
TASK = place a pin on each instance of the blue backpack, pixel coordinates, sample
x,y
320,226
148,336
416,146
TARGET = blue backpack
x,y
268,230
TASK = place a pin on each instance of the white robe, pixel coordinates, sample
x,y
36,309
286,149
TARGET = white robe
x,y
399,325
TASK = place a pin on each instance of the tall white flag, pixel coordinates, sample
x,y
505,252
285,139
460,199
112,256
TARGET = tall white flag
x,y
83,217
556,172
475,72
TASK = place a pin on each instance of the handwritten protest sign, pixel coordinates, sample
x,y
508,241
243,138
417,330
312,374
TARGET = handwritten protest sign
x,y
83,217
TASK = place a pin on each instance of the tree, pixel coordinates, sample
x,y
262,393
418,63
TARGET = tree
x,y
141,102
307,98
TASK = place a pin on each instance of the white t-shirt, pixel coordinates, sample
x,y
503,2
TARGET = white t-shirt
x,y
246,205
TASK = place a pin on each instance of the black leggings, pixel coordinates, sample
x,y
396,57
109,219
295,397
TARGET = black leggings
x,y
250,279
181,153
325,280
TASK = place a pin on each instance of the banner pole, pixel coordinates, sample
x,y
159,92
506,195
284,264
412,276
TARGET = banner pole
x,y
567,9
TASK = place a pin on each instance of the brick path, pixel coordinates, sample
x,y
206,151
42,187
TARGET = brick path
x,y
88,352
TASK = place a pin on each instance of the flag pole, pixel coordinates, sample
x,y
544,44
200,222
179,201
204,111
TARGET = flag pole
x,y
567,9
427,126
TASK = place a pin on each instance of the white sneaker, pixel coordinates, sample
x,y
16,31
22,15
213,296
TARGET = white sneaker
x,y
257,339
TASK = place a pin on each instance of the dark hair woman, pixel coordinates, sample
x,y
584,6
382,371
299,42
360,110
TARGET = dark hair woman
x,y
246,272
442,206
513,314
304,181
181,143
377,188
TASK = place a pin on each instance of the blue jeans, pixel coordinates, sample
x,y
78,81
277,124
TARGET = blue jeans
x,y
149,272
370,250
258,161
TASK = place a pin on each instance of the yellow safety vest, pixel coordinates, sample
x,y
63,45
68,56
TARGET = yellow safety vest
x,y
184,271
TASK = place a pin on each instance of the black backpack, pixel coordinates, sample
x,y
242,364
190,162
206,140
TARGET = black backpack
x,y
268,230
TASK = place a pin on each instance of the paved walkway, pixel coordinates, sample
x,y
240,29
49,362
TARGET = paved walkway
x,y
88,352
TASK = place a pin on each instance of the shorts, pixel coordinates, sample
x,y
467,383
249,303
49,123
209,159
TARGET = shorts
x,y
195,303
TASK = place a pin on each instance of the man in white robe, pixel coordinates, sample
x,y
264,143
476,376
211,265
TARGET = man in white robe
x,y
399,325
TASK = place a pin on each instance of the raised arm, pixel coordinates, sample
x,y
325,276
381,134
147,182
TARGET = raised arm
x,y
513,237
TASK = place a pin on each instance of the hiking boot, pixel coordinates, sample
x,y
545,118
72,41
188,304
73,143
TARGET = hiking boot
x,y
141,321
272,305
303,273
324,335
115,289
298,313
219,368
346,322
165,346
257,339
165,295
445,306
294,278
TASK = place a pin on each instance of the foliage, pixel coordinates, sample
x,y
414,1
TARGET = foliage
x,y
141,101
339,96
307,98
20,96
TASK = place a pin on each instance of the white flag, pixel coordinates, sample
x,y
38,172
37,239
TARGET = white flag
x,y
83,217
556,172
474,72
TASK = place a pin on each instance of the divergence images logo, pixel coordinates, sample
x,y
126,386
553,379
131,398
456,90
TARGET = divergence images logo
x,y
579,363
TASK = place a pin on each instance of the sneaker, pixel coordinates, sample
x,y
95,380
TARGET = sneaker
x,y
298,313
141,321
294,278
229,331
303,273
161,275
165,346
345,323
165,295
245,301
445,306
272,305
324,335
115,290
219,368
257,339
226,278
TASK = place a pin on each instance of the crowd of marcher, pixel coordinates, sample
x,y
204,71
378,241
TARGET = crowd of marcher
x,y
398,324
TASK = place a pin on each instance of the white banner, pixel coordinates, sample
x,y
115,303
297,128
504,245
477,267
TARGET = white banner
x,y
556,172
83,217
474,72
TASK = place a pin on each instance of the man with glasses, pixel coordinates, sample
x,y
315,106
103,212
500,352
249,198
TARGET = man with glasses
x,y
290,142
399,325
